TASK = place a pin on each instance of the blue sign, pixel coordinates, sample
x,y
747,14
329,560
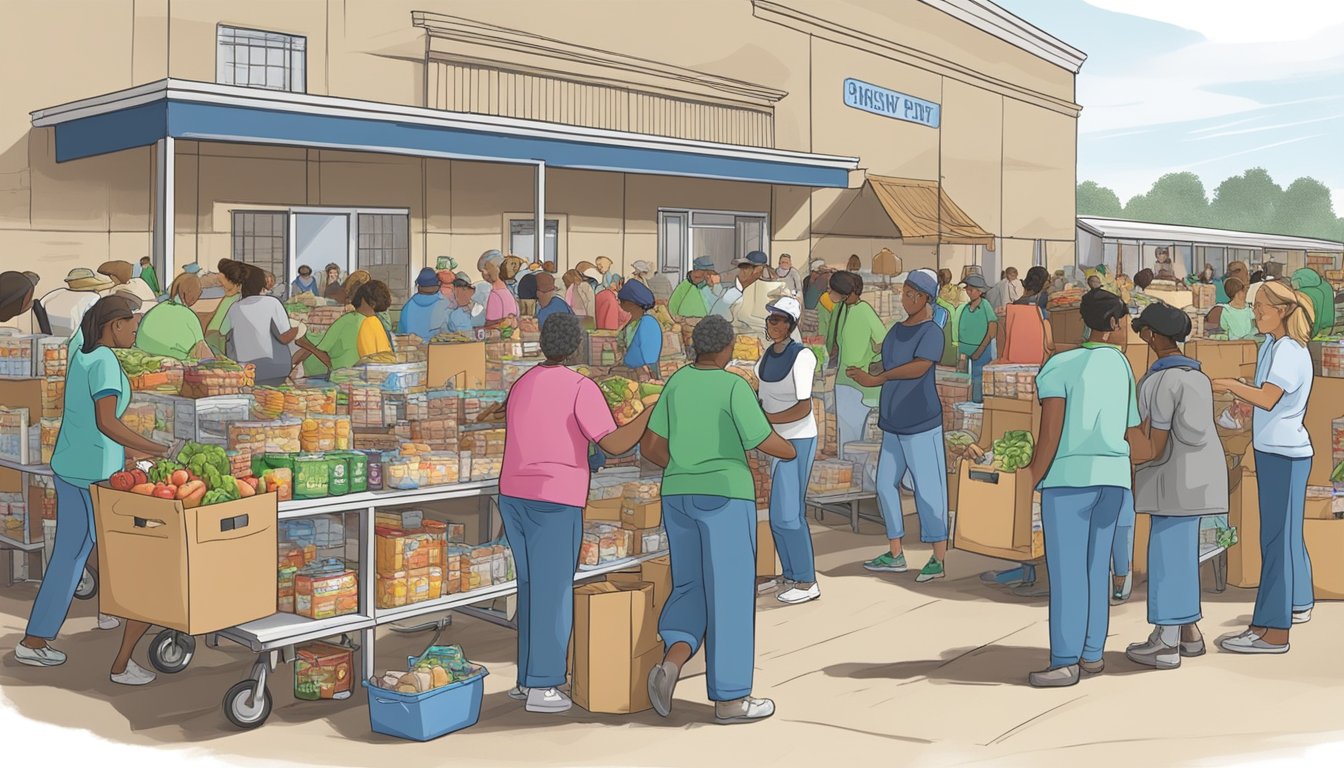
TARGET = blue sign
x,y
880,101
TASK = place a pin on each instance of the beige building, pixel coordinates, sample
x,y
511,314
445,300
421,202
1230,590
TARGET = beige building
x,y
385,135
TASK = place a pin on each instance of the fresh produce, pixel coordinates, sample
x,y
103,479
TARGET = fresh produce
x,y
122,481
200,475
618,389
1013,451
1338,475
135,362
162,471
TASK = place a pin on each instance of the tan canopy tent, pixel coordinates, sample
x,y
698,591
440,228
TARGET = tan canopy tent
x,y
914,207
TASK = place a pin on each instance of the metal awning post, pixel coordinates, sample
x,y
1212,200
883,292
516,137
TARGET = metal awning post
x,y
539,245
165,191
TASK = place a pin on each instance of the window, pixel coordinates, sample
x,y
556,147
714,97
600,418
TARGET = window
x,y
722,236
261,59
384,251
523,235
261,238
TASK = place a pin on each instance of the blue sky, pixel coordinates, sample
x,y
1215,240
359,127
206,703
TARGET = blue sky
x,y
1209,86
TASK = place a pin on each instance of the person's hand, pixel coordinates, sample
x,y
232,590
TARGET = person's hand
x,y
1223,385
974,452
862,377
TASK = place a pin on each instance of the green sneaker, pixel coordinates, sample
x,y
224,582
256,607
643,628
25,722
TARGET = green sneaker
x,y
886,563
932,570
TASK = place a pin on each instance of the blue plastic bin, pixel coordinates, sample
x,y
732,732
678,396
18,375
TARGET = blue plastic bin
x,y
427,716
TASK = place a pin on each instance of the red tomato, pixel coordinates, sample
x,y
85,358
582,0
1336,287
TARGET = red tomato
x,y
165,492
121,481
140,477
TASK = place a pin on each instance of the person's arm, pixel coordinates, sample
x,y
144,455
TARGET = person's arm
x,y
1146,442
990,334
654,446
753,428
628,436
1047,445
1263,397
105,416
798,410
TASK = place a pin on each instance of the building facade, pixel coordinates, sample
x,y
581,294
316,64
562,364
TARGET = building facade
x,y
386,135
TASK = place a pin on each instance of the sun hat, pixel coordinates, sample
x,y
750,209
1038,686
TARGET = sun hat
x,y
641,267
975,281
85,279
703,263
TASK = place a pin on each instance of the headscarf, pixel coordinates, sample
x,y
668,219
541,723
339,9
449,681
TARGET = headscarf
x,y
636,293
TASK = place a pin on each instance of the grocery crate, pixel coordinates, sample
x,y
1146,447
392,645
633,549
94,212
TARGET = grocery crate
x,y
429,715
17,355
52,356
20,440
53,397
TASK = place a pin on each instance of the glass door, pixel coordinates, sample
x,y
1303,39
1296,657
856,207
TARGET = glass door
x,y
321,241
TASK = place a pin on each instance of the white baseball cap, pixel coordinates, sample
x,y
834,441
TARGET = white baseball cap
x,y
786,305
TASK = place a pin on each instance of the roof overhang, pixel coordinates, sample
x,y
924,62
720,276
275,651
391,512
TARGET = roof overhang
x,y
1119,229
195,111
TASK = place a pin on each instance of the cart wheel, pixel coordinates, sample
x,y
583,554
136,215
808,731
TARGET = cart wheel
x,y
88,585
171,651
239,712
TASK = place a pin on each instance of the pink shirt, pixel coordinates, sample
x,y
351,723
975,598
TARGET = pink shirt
x,y
501,304
551,416
610,316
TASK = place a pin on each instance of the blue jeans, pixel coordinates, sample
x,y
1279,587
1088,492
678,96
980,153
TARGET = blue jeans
x,y
1173,571
922,455
545,540
788,512
75,538
978,371
1079,527
712,545
1122,551
1285,568
851,416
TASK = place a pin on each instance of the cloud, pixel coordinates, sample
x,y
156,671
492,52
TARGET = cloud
x,y
1237,21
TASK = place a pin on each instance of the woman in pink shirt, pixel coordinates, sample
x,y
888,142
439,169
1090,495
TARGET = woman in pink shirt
x,y
552,415
501,305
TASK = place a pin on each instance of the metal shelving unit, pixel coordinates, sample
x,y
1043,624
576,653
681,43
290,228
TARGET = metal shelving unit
x,y
8,544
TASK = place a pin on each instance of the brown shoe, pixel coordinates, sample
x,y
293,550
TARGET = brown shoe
x,y
1092,667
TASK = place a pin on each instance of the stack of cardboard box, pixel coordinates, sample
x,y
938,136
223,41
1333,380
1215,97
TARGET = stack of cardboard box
x,y
997,511
616,643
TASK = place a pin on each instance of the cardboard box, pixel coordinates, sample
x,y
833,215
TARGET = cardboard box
x,y
658,572
615,646
1318,507
461,366
995,521
193,570
1003,415
605,511
1325,547
1221,359
1243,559
1322,409
767,559
642,516
1066,325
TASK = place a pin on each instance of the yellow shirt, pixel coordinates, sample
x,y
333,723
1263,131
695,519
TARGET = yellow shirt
x,y
372,338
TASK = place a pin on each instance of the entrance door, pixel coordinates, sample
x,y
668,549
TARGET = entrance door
x,y
321,239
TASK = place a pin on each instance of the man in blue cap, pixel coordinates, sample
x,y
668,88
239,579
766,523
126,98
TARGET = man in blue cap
x,y
743,303
426,314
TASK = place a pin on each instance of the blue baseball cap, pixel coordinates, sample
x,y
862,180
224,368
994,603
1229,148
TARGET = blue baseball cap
x,y
703,262
754,259
924,281
427,278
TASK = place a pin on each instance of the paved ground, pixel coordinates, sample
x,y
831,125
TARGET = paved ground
x,y
880,669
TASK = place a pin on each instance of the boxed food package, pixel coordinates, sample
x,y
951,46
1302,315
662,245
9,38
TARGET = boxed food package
x,y
1011,381
615,646
278,436
324,433
603,348
323,671
364,403
642,505
408,587
398,550
325,590
831,476
195,570
16,356
436,432
1203,296
605,543
207,378
20,440
53,397
53,356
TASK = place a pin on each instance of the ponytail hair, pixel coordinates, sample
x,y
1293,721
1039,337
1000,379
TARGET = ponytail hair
x,y
1301,316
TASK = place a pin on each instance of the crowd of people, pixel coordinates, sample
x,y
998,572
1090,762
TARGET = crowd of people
x,y
1108,447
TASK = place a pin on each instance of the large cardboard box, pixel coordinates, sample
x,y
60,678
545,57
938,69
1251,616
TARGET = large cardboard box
x,y
615,646
994,514
603,511
642,516
1003,414
767,559
658,572
461,366
1067,326
1243,559
193,570
1323,407
1325,547
1221,359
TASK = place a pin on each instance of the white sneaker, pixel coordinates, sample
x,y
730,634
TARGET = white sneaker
x,y
108,622
1250,643
134,675
1302,617
765,586
547,701
519,693
795,596
38,657
744,710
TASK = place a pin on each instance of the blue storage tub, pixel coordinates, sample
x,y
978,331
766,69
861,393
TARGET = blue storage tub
x,y
427,716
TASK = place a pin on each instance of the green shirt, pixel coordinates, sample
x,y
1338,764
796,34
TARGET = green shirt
x,y
857,328
1097,386
973,325
169,329
340,342
687,301
151,279
83,454
1238,323
710,418
220,320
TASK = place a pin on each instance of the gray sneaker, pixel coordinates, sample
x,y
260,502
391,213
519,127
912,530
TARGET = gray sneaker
x,y
1056,677
744,710
519,693
1154,653
38,657
1302,617
547,701
662,684
1250,643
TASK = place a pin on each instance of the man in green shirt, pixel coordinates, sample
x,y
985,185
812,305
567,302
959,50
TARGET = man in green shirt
x,y
977,327
854,338
689,300
1088,406
701,428
148,274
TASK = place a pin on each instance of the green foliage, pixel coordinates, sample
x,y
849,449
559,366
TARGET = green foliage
x,y
1096,200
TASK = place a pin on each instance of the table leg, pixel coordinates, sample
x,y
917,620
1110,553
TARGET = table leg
x,y
854,515
1220,572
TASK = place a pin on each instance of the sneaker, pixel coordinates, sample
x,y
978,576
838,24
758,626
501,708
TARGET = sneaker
x,y
519,693
1154,653
1057,677
1122,594
134,675
887,563
795,595
38,657
85,583
1250,643
1092,667
765,585
786,584
1302,617
108,622
547,701
1192,648
744,710
662,683
931,570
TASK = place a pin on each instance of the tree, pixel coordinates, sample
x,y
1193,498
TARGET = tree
x,y
1176,198
1305,209
1246,202
1096,200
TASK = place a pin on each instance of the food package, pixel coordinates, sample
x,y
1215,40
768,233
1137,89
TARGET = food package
x,y
53,356
436,432
402,473
408,587
324,433
279,436
483,443
831,476
16,356
326,590
444,404
53,397
605,543
603,348
440,468
1204,297
396,377
364,404
323,671
209,378
405,550
747,348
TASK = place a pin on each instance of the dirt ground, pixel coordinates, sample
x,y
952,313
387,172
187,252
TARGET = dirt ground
x,y
880,669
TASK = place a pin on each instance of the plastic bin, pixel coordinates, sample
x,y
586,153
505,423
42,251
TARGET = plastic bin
x,y
427,716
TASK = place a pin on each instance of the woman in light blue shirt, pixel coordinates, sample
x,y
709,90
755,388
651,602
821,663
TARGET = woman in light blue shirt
x,y
91,446
642,337
1283,452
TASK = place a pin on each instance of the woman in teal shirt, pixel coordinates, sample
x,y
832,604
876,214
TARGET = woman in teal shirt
x,y
172,329
642,337
91,446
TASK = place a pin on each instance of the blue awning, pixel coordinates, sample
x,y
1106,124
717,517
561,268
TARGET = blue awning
x,y
194,111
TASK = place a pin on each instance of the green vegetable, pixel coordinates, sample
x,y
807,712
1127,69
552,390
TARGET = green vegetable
x,y
162,470
1338,475
1013,451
